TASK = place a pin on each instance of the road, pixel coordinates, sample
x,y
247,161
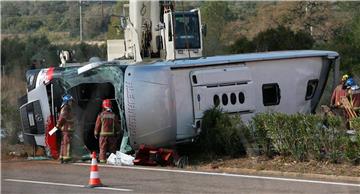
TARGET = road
x,y
35,177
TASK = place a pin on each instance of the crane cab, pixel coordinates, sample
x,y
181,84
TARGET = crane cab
x,y
182,37
152,29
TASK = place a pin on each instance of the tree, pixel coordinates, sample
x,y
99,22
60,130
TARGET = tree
x,y
282,38
320,19
347,43
274,39
10,54
215,15
71,20
92,22
242,45
114,28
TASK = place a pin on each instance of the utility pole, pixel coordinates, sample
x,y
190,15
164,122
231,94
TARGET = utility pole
x,y
308,15
102,10
102,16
80,22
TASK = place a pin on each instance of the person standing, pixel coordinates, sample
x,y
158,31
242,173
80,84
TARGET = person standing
x,y
66,124
338,92
107,126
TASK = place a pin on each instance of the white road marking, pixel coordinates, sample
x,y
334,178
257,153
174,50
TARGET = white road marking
x,y
65,184
229,175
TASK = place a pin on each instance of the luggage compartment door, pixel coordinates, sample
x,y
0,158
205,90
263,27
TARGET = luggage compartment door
x,y
230,88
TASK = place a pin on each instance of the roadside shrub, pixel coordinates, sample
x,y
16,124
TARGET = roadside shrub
x,y
261,141
355,123
300,137
222,134
335,139
303,137
352,152
277,133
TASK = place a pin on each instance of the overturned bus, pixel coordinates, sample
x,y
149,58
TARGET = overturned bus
x,y
162,103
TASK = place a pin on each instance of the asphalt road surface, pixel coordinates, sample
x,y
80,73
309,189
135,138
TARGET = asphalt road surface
x,y
38,177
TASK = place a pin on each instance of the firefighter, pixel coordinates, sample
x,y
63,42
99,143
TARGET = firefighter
x,y
108,127
338,92
66,124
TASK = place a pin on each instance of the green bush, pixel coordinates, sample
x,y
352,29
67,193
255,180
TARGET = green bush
x,y
352,148
355,123
222,134
261,140
303,137
300,137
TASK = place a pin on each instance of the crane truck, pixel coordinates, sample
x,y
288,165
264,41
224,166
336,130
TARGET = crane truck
x,y
152,29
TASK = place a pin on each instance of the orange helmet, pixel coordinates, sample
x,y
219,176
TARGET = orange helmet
x,y
106,103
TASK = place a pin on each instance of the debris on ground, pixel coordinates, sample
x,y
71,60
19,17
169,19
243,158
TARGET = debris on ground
x,y
14,151
120,159
152,156
38,158
279,164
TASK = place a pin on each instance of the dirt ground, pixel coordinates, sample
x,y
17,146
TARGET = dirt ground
x,y
258,164
16,151
250,164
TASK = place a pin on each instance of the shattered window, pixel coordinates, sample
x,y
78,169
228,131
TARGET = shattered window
x,y
89,89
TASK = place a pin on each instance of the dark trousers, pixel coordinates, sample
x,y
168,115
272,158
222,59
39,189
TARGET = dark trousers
x,y
106,143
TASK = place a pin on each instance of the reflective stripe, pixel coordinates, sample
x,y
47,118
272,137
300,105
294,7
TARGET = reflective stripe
x,y
66,158
68,150
107,116
107,133
93,161
94,175
68,129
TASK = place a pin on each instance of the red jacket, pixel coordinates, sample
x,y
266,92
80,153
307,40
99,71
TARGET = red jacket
x,y
66,119
107,124
337,94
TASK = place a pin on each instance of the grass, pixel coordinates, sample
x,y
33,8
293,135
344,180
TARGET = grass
x,y
13,86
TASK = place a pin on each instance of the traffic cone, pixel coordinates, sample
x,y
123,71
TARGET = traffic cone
x,y
94,174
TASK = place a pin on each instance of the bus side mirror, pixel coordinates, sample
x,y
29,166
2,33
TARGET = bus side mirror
x,y
203,29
